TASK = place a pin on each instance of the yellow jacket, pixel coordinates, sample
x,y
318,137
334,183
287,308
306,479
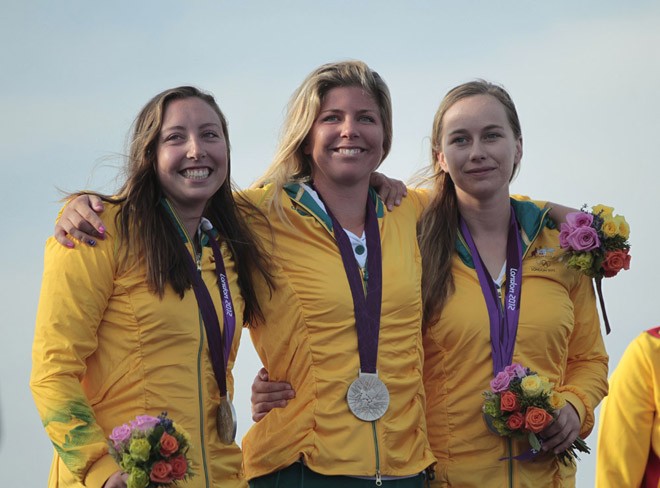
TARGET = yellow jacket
x,y
558,336
309,339
629,427
107,349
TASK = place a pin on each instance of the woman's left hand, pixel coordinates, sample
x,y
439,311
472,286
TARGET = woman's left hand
x,y
563,431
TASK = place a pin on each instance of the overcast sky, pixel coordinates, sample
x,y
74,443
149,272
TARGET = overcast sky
x,y
73,75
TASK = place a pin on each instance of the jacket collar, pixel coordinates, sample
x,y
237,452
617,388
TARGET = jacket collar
x,y
204,224
307,205
531,220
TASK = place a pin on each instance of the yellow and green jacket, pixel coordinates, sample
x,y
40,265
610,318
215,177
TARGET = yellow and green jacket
x,y
309,340
107,349
628,451
558,336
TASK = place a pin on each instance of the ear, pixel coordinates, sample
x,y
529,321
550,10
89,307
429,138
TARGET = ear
x,y
519,151
306,149
441,161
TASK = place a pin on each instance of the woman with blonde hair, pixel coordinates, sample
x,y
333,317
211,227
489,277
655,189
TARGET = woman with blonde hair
x,y
120,333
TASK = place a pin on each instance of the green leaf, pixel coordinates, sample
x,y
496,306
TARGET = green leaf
x,y
534,441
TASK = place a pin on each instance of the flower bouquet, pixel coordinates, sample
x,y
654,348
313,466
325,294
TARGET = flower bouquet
x,y
521,403
596,243
152,451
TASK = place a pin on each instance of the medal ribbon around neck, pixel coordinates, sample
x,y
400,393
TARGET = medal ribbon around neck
x,y
503,323
219,346
366,309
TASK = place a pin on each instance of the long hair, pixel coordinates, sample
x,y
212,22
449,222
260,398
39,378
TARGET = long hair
x,y
290,163
437,229
156,240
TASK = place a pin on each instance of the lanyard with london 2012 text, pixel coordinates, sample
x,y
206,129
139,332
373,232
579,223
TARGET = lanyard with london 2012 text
x,y
367,396
219,349
503,325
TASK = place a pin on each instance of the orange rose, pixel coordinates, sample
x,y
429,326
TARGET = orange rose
x,y
615,261
179,467
509,402
515,421
161,472
168,444
537,419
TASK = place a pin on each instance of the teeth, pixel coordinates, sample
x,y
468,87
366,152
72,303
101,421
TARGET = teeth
x,y
196,174
349,152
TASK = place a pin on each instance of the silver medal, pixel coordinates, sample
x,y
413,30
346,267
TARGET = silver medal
x,y
368,397
226,421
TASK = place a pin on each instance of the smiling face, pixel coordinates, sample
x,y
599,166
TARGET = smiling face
x,y
191,154
479,148
345,142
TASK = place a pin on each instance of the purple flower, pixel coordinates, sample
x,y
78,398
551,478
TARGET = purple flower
x,y
579,219
120,435
515,370
500,382
144,422
564,231
583,239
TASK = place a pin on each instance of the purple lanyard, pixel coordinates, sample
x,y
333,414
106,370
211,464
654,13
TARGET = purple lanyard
x,y
218,348
366,309
503,323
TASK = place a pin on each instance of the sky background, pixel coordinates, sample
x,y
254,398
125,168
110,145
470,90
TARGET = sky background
x,y
73,75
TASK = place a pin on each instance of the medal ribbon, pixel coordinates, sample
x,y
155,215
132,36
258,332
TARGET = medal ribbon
x,y
219,346
366,309
503,323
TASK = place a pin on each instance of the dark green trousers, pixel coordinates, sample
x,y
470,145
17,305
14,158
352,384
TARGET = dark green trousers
x,y
300,476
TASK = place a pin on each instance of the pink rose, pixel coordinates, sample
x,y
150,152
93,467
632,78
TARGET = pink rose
x,y
615,261
515,421
515,370
168,444
579,219
500,382
583,239
161,472
120,435
179,467
537,419
144,422
509,402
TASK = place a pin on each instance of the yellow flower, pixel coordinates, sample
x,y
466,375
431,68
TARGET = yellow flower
x,y
610,227
624,228
181,431
546,386
531,384
557,400
603,211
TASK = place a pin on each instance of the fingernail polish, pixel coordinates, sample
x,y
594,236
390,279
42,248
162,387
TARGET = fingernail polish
x,y
101,229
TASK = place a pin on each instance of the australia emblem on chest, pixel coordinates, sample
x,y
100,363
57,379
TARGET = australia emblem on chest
x,y
543,259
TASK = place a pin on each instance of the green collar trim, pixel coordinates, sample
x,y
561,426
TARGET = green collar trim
x,y
531,220
304,199
171,213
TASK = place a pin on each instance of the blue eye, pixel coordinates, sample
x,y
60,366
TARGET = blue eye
x,y
368,118
330,118
173,137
